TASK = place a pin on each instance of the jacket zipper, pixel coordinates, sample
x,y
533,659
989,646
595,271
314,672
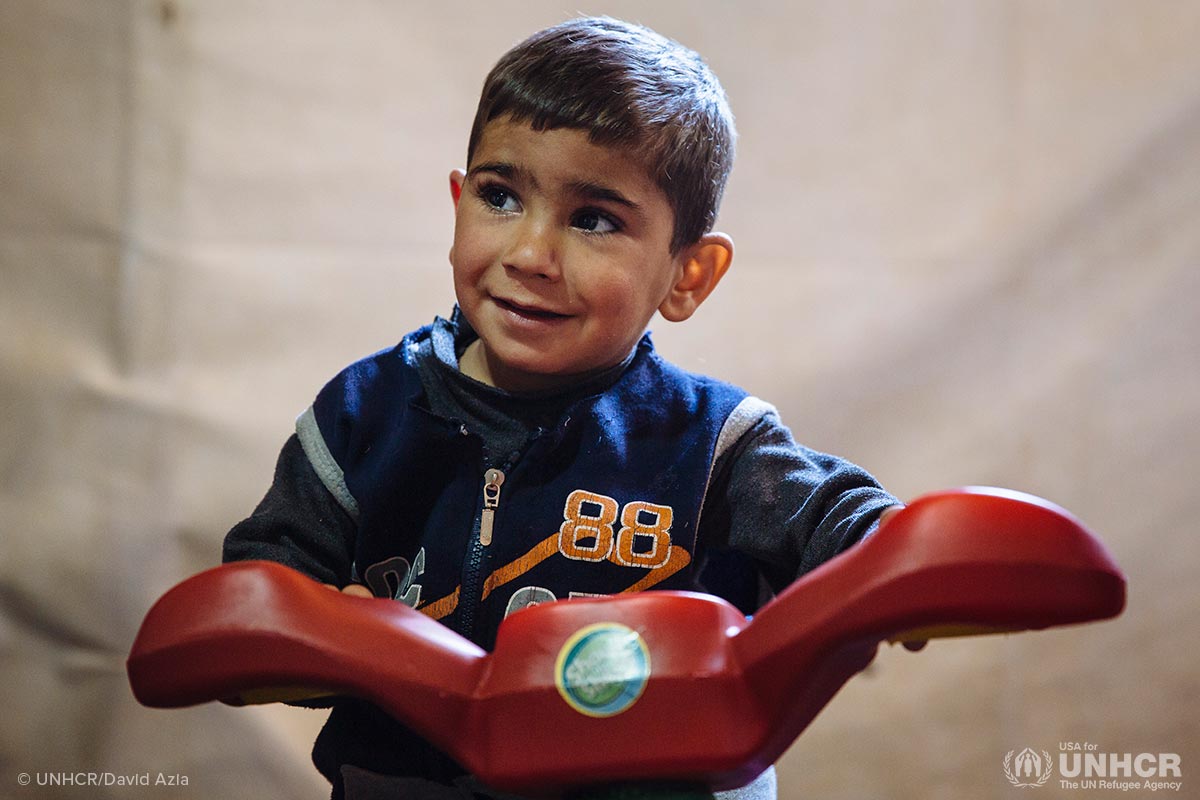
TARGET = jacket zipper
x,y
492,480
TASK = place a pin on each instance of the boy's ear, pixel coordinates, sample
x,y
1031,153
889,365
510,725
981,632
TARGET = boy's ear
x,y
702,266
457,178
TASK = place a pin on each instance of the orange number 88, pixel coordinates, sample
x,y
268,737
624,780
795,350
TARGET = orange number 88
x,y
579,527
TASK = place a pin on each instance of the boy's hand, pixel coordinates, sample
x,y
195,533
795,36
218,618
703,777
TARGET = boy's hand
x,y
888,513
354,589
912,645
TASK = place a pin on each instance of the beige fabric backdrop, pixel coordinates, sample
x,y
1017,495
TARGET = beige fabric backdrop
x,y
968,252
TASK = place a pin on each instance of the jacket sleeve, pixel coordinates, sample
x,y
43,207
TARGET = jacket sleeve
x,y
299,523
788,507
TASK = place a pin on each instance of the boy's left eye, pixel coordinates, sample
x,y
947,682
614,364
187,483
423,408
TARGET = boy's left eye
x,y
594,221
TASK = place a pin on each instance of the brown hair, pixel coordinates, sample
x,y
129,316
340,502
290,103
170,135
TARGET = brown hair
x,y
629,86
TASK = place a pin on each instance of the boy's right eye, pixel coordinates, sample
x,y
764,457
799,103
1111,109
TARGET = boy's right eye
x,y
499,198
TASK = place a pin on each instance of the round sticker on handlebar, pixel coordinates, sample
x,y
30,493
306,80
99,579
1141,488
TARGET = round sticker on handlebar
x,y
602,669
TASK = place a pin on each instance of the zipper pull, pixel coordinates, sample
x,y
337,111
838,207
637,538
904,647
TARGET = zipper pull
x,y
491,501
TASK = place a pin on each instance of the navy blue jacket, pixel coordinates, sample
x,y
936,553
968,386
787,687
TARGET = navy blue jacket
x,y
607,501
377,488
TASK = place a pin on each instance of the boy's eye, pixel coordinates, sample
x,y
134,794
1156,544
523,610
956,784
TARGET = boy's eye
x,y
499,198
594,221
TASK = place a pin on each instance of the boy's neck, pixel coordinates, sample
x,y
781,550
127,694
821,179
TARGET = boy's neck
x,y
475,364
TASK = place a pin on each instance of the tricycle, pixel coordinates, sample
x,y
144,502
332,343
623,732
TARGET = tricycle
x,y
673,692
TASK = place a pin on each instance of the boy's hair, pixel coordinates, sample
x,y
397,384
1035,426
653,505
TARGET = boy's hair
x,y
629,86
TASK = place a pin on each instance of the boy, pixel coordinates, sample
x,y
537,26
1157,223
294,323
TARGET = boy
x,y
534,447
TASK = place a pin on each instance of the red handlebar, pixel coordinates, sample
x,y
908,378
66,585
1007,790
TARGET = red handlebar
x,y
672,685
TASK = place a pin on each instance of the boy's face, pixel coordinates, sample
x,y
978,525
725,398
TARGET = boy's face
x,y
561,255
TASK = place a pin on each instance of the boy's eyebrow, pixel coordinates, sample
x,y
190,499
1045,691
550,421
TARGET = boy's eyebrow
x,y
502,168
586,189
596,191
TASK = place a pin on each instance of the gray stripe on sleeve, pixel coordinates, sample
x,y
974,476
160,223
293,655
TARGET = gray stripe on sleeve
x,y
323,462
741,419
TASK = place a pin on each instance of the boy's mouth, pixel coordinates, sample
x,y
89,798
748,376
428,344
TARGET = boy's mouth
x,y
528,312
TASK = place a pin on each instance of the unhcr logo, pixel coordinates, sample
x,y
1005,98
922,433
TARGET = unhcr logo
x,y
1084,766
1028,768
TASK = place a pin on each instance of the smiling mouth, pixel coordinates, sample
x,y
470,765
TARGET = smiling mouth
x,y
529,312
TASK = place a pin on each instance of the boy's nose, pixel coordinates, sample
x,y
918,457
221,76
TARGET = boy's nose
x,y
534,250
